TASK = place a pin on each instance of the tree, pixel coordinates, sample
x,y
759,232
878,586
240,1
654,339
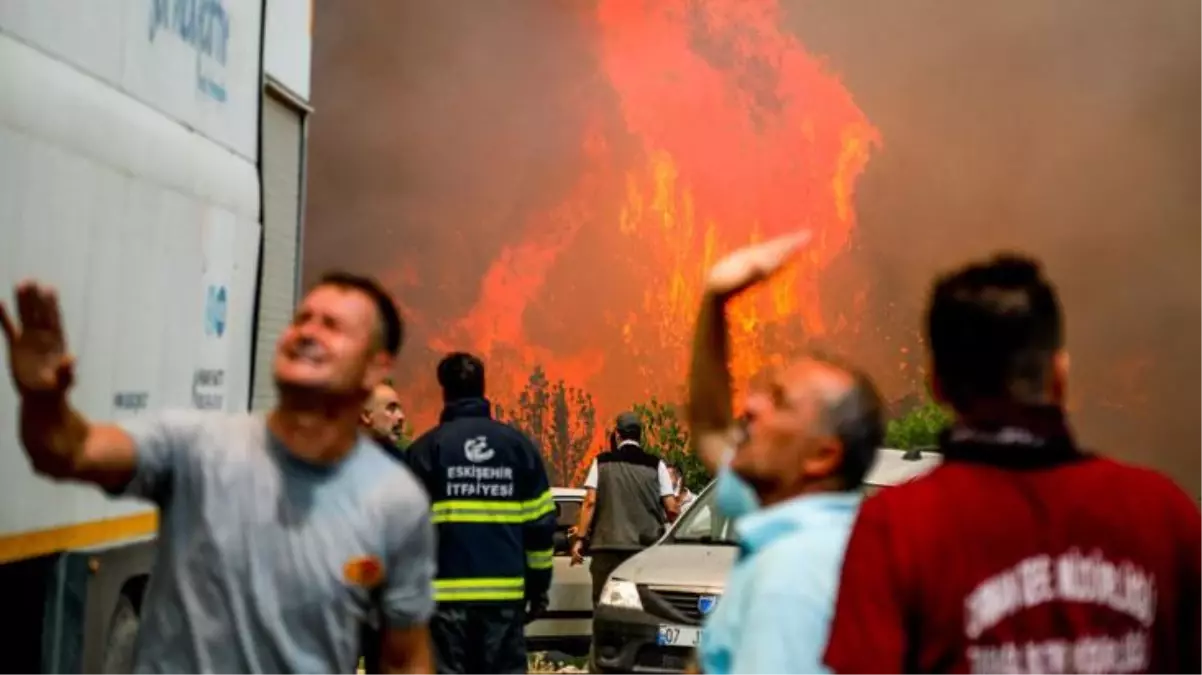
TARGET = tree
x,y
406,438
919,427
573,424
665,435
560,419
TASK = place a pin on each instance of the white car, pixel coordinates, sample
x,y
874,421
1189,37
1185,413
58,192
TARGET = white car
x,y
654,604
568,624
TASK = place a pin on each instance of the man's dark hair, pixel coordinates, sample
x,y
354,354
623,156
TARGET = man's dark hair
x,y
857,419
392,326
461,375
629,427
994,328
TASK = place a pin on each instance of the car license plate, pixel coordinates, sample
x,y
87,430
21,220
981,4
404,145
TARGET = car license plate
x,y
677,636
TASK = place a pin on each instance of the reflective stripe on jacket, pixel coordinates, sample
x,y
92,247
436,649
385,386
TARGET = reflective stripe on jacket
x,y
491,503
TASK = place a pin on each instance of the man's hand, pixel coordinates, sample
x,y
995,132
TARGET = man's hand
x,y
407,650
750,265
37,349
577,553
710,410
536,607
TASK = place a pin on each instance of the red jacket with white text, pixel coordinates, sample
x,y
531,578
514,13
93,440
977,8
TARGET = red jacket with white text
x,y
1022,553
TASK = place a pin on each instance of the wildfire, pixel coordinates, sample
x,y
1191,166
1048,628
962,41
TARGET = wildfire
x,y
737,134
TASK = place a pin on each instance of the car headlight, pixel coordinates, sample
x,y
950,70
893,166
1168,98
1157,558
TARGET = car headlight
x,y
621,593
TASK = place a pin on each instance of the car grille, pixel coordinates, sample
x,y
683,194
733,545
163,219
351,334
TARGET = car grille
x,y
672,603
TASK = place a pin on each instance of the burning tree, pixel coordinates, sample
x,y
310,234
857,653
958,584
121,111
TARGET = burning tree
x,y
665,435
560,419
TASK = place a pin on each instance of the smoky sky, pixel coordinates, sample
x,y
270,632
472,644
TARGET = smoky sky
x,y
1066,129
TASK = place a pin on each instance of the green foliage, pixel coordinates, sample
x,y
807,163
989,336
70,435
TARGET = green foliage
x,y
406,437
664,434
560,419
917,428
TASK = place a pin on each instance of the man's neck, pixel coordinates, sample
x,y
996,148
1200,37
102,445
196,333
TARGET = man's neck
x,y
385,440
316,436
770,495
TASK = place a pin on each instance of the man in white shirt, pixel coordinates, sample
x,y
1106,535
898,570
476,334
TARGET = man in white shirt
x,y
684,496
628,501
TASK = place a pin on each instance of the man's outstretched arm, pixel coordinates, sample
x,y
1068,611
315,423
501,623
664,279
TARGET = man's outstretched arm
x,y
59,441
710,407
538,532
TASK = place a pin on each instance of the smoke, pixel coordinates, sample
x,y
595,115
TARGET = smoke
x,y
1066,129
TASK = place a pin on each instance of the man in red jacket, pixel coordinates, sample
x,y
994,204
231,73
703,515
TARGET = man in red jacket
x,y
1022,552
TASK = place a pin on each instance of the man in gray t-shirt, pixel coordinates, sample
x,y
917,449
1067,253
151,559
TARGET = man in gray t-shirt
x,y
280,536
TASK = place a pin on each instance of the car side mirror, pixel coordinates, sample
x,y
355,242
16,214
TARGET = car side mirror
x,y
560,544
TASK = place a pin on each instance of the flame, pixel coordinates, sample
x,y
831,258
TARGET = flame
x,y
729,132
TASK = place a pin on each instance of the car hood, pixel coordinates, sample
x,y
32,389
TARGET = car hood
x,y
702,565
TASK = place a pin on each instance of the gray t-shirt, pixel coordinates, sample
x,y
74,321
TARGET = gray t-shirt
x,y
267,563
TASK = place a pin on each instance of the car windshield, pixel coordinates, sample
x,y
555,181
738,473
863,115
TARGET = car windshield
x,y
701,523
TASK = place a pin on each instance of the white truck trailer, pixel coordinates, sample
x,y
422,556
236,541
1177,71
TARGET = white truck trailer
x,y
151,168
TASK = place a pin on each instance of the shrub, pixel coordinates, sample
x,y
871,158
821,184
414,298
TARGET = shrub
x,y
664,434
918,428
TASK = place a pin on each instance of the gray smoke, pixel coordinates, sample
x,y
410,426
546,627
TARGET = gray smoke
x,y
1066,128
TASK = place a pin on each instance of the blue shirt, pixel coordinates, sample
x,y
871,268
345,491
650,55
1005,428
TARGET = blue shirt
x,y
267,563
733,497
776,611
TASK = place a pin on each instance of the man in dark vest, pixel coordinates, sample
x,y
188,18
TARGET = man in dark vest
x,y
628,500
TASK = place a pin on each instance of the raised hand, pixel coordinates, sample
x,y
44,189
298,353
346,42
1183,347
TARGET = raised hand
x,y
37,348
752,264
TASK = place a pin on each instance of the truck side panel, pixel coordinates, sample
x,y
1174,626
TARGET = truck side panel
x,y
150,231
196,61
128,180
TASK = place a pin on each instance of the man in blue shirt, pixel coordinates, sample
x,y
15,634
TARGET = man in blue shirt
x,y
792,485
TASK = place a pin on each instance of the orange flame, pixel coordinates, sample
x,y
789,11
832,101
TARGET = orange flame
x,y
738,134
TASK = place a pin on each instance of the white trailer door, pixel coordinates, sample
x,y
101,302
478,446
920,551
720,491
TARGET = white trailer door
x,y
283,189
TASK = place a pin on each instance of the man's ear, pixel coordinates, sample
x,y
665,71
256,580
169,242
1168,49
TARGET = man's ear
x,y
824,460
1060,368
365,417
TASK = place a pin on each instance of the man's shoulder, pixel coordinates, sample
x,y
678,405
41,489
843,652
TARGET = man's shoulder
x,y
630,454
1076,482
1146,485
380,477
215,432
466,427
800,566
181,420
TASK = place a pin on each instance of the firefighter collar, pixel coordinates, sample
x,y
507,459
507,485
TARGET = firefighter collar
x,y
466,407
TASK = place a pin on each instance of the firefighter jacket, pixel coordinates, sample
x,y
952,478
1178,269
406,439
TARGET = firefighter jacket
x,y
491,505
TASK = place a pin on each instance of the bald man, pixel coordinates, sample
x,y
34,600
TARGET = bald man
x,y
810,438
384,420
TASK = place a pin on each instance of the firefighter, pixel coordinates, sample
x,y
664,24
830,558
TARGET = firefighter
x,y
495,517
